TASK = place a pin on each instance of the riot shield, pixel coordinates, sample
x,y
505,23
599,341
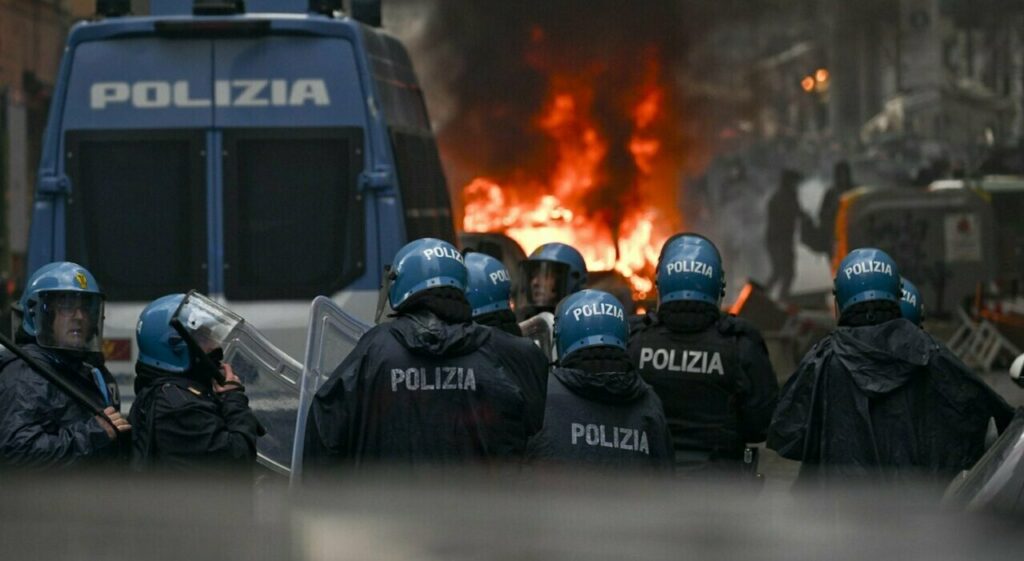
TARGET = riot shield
x,y
331,337
271,380
996,482
541,329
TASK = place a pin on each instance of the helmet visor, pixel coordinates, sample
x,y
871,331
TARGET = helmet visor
x,y
544,283
205,322
70,320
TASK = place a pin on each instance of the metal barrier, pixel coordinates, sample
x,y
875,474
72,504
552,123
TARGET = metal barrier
x,y
979,343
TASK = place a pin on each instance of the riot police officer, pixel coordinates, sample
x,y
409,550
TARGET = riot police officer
x,y
710,370
599,412
488,290
430,386
911,305
190,411
879,398
552,272
42,425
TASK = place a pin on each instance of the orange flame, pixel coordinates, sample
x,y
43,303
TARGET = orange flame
x,y
559,214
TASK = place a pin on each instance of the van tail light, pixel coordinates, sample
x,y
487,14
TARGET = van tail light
x,y
117,349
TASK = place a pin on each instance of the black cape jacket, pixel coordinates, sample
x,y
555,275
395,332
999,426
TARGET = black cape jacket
x,y
418,390
40,425
883,401
181,425
602,419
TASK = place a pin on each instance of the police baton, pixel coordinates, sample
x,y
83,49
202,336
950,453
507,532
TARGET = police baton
x,y
62,384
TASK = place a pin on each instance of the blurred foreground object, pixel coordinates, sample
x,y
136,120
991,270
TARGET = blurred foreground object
x,y
457,515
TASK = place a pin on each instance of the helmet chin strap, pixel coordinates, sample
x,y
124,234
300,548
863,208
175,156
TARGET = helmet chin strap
x,y
385,290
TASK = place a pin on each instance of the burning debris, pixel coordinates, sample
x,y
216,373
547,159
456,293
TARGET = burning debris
x,y
566,127
570,122
566,205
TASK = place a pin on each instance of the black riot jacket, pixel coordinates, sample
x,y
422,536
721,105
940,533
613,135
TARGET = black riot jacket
x,y
504,320
40,425
180,424
716,382
420,390
603,420
883,401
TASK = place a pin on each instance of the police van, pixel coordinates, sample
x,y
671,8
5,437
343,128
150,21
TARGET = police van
x,y
260,158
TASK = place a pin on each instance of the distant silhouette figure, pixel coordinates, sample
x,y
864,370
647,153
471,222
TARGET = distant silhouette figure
x,y
783,214
821,238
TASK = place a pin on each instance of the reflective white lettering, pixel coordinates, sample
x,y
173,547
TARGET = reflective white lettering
x,y
690,266
423,383
598,309
864,267
501,275
442,252
681,360
278,93
151,94
646,354
412,380
397,377
156,94
249,95
716,365
222,93
607,436
440,378
183,99
103,93
577,432
310,89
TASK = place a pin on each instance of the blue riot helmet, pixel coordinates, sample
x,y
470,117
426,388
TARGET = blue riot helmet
x,y
422,265
62,307
489,285
552,272
911,305
690,269
185,332
161,346
865,275
590,318
687,238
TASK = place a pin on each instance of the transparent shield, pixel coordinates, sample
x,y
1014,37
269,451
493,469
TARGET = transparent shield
x,y
541,328
271,380
68,320
332,335
208,323
542,284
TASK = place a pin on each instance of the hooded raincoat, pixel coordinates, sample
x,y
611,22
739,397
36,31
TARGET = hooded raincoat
x,y
419,390
883,401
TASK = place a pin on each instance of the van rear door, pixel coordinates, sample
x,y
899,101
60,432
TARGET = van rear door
x,y
136,120
292,114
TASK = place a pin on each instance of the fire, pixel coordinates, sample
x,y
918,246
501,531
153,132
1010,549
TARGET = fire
x,y
625,235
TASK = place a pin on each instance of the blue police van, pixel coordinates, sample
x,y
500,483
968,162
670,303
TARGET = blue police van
x,y
262,156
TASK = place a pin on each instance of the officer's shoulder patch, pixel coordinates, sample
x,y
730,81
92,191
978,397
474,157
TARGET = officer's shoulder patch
x,y
176,397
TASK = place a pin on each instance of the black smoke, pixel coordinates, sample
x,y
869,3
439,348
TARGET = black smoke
x,y
494,62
